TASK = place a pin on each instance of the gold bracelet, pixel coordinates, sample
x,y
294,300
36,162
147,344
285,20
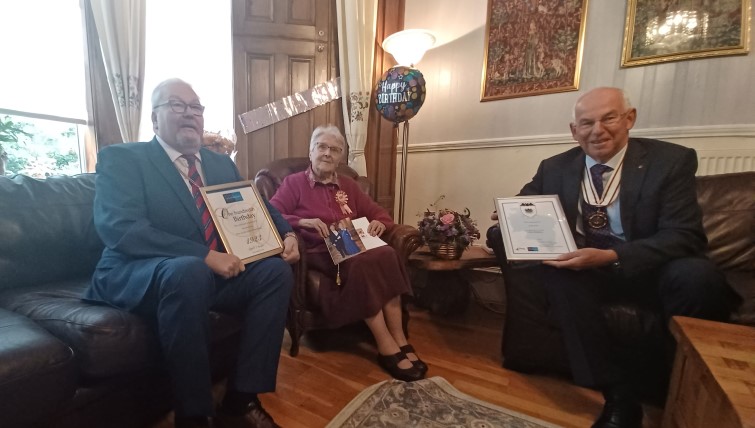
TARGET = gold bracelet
x,y
290,234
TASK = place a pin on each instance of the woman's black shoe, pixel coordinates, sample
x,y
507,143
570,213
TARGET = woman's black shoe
x,y
390,364
409,349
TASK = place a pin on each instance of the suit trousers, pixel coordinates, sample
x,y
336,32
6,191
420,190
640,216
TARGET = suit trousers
x,y
182,292
690,286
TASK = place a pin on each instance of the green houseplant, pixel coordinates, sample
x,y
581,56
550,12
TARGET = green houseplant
x,y
9,133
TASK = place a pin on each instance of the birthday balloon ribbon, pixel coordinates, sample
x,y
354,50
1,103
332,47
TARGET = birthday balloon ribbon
x,y
343,200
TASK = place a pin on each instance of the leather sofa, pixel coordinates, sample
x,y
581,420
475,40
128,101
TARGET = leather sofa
x,y
532,342
65,362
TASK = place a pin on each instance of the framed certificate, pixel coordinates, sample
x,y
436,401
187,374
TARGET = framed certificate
x,y
534,227
242,220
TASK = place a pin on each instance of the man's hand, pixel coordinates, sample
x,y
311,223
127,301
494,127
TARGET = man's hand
x,y
376,228
290,252
316,224
584,258
225,265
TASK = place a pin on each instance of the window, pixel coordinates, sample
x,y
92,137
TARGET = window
x,y
43,85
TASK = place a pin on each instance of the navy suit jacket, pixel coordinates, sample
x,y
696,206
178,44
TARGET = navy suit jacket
x,y
144,213
659,211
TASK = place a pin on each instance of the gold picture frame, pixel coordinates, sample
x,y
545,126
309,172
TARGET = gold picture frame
x,y
532,47
676,30
242,220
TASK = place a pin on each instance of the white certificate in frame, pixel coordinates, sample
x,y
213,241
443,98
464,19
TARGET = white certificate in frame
x,y
242,220
534,227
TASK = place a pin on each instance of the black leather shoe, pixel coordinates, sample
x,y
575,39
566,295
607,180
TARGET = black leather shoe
x,y
620,412
390,364
254,416
409,349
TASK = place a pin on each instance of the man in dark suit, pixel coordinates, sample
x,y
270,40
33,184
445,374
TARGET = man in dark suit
x,y
631,205
163,260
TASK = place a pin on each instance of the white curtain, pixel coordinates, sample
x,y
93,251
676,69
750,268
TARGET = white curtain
x,y
121,29
356,41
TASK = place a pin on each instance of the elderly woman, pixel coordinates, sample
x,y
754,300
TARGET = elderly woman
x,y
371,283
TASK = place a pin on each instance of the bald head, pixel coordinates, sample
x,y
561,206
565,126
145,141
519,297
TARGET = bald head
x,y
602,120
177,115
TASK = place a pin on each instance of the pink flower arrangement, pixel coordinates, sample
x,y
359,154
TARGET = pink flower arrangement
x,y
445,226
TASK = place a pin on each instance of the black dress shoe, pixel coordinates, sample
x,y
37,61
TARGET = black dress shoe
x,y
409,349
620,412
390,364
254,416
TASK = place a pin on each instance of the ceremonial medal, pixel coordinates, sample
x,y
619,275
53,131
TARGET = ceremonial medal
x,y
597,220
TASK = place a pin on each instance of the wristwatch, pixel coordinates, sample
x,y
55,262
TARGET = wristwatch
x,y
290,234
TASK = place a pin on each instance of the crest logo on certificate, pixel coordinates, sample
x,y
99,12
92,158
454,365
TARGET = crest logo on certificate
x,y
534,227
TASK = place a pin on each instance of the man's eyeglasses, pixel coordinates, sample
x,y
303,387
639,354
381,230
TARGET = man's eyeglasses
x,y
322,148
180,107
607,121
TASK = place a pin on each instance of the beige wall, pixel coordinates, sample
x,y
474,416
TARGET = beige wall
x,y
472,151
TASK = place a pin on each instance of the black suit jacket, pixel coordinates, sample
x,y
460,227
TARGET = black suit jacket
x,y
144,211
659,211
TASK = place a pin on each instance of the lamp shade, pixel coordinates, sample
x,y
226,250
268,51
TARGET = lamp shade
x,y
408,46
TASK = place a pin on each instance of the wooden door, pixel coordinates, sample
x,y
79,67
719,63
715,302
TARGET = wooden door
x,y
281,47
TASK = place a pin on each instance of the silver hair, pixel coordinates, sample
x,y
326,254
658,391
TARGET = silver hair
x,y
157,93
330,130
624,95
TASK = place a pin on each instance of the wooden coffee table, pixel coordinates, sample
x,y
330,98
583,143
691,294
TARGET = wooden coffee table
x,y
447,291
713,380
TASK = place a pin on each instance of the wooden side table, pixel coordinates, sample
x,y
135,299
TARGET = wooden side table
x,y
447,291
713,380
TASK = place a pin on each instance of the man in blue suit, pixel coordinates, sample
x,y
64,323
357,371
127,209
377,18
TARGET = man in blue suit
x,y
631,205
162,262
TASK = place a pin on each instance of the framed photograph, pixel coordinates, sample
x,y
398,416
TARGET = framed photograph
x,y
532,47
675,30
242,220
534,227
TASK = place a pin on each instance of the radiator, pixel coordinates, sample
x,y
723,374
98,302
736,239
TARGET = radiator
x,y
709,164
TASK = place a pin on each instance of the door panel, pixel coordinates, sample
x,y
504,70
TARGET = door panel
x,y
280,48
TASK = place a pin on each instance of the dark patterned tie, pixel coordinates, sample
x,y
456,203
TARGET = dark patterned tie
x,y
210,234
597,237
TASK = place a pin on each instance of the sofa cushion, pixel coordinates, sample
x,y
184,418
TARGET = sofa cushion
x,y
46,229
107,341
32,360
728,209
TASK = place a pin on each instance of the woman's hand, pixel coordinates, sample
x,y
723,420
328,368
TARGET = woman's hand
x,y
376,228
316,224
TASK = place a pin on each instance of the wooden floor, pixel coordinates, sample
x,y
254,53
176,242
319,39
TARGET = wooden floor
x,y
334,366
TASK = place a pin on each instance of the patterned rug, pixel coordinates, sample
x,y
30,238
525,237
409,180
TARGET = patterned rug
x,y
426,403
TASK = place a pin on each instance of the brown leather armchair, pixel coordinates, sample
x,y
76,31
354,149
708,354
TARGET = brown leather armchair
x,y
303,312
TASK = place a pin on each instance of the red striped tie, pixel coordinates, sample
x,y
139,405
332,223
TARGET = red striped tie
x,y
210,234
